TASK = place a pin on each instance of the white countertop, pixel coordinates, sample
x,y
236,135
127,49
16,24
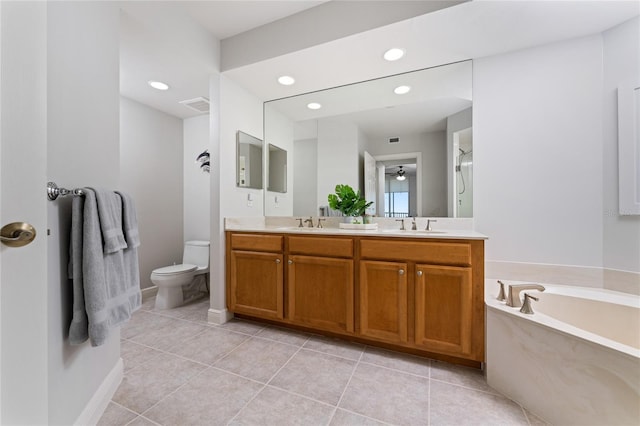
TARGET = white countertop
x,y
386,228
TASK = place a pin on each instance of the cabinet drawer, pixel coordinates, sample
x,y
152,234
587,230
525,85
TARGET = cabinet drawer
x,y
441,253
319,246
257,242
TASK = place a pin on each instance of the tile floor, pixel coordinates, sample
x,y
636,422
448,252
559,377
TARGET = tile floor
x,y
180,370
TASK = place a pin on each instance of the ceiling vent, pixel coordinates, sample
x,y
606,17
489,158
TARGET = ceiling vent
x,y
200,104
394,140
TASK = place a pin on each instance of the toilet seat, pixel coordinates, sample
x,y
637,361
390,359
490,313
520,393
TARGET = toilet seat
x,y
175,269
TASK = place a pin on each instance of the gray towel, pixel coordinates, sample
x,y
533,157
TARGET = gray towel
x,y
110,211
110,280
129,220
79,328
130,254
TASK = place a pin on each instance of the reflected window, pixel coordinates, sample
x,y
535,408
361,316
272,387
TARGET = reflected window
x,y
396,204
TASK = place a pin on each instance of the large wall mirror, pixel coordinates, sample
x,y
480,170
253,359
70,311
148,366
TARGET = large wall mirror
x,y
405,141
248,161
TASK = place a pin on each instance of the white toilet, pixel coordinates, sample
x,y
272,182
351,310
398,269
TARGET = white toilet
x,y
170,279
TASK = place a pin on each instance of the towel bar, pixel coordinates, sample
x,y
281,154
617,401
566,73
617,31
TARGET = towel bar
x,y
53,191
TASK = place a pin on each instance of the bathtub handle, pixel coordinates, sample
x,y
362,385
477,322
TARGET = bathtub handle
x,y
526,305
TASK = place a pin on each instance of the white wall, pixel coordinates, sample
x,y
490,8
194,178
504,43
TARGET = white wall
x,y
305,177
236,109
621,62
280,133
337,157
434,179
151,152
538,153
239,110
83,150
197,191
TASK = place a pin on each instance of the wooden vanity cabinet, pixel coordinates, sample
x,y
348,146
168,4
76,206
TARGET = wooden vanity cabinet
x,y
420,295
423,294
443,309
255,275
320,283
383,298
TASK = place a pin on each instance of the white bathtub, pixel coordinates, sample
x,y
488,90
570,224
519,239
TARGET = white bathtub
x,y
576,360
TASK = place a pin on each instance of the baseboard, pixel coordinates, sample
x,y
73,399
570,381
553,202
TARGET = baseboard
x,y
100,400
218,316
149,292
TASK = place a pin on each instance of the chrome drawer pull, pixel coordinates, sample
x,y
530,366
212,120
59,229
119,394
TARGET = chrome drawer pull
x,y
419,273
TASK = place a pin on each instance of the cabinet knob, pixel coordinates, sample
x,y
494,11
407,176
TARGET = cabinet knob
x,y
277,260
401,271
419,273
290,262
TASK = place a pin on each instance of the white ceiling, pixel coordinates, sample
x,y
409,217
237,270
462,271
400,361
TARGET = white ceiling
x,y
224,19
157,43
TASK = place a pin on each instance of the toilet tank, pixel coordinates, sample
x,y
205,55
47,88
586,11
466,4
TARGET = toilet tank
x,y
196,253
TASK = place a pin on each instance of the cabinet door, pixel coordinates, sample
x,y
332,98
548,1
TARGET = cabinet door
x,y
320,292
383,300
443,299
256,284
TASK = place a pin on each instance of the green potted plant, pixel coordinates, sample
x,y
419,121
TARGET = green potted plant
x,y
351,203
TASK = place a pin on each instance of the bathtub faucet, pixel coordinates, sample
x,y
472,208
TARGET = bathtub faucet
x,y
513,295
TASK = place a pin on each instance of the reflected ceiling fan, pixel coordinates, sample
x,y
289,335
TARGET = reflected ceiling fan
x,y
400,174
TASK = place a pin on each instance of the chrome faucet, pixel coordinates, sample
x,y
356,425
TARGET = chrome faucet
x,y
513,295
300,222
309,221
401,223
428,228
413,224
320,220
526,305
501,296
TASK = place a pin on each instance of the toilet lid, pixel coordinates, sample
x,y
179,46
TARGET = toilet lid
x,y
175,269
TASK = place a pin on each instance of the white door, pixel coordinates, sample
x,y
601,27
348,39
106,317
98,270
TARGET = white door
x,y
370,182
23,155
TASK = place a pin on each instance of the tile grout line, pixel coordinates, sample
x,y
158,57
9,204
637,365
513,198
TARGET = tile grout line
x,y
267,383
353,372
207,367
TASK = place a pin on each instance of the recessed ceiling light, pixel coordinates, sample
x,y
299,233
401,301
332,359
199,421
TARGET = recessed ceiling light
x,y
286,80
158,85
314,105
401,90
393,54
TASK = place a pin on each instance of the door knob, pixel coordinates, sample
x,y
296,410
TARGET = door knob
x,y
17,234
